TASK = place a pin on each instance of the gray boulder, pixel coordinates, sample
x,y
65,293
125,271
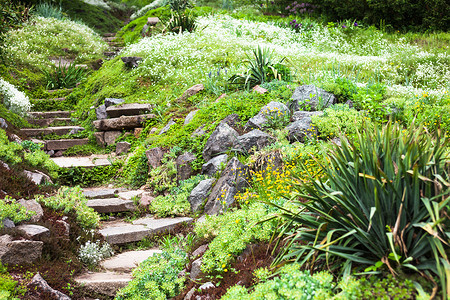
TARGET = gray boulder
x,y
37,177
7,223
200,193
167,127
199,131
154,157
131,61
232,180
111,136
34,232
301,130
101,112
20,251
39,282
122,148
211,167
233,120
113,101
298,115
310,97
273,109
195,270
255,139
184,165
190,116
222,139
33,206
191,92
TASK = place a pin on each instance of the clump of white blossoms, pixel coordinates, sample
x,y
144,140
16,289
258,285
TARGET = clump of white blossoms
x,y
155,4
14,100
92,253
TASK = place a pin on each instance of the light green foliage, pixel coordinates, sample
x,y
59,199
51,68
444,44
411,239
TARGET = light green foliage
x,y
176,203
156,277
39,158
135,171
231,233
92,253
11,117
8,286
9,151
13,211
88,176
395,177
72,200
340,119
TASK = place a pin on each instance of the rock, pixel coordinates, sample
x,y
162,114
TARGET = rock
x,y
200,193
111,136
50,152
41,284
232,180
269,163
100,193
129,195
222,139
144,30
15,138
152,21
256,122
4,165
220,97
123,122
100,112
105,283
7,223
199,131
184,165
3,124
131,61
20,251
64,144
127,261
310,97
255,139
34,232
259,89
33,205
301,130
37,177
272,110
191,92
190,294
146,199
154,157
298,115
195,270
208,285
100,138
350,103
129,109
76,130
213,166
167,127
111,205
234,121
190,116
137,132
113,101
122,148
58,153
200,251
65,226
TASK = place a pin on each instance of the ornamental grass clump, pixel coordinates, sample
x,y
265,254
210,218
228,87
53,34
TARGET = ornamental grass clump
x,y
383,206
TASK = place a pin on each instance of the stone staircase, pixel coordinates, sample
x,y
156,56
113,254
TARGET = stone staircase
x,y
114,46
116,271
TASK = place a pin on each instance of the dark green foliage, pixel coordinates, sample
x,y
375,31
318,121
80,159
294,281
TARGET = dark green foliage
x,y
400,14
64,76
12,15
86,177
384,204
386,288
181,22
50,104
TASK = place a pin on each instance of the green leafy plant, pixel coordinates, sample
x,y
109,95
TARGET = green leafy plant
x,y
64,76
48,10
261,69
12,210
72,200
9,288
92,253
182,22
386,198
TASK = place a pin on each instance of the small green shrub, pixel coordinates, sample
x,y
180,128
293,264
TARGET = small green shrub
x,y
85,177
9,151
135,171
181,22
13,211
72,200
48,10
164,177
156,277
64,76
176,204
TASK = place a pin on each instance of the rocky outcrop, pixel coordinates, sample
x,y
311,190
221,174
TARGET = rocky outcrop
x,y
184,165
222,139
310,97
272,110
167,127
301,130
200,193
154,156
33,206
191,92
190,116
254,140
131,61
19,251
38,282
122,148
213,166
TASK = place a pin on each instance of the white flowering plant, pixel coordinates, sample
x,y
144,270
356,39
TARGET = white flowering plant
x,y
14,100
92,253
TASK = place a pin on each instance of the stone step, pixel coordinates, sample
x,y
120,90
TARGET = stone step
x,y
49,121
127,261
58,130
106,283
122,233
109,38
95,193
82,161
50,114
111,205
110,53
129,109
64,144
123,122
109,34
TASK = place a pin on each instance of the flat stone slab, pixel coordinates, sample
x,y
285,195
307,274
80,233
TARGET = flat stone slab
x,y
34,232
64,143
83,161
111,205
58,130
49,121
129,109
125,233
107,283
123,122
158,225
100,193
127,261
128,195
50,114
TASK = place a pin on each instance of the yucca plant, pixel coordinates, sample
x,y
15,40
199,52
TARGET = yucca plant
x,y
384,205
181,22
261,69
